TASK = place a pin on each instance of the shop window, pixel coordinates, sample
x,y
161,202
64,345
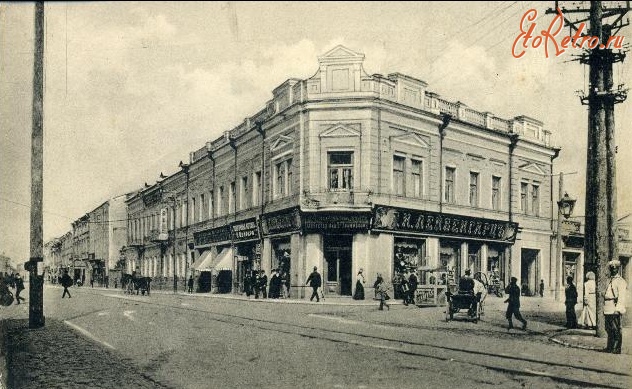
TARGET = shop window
x,y
496,196
398,175
410,256
340,170
449,195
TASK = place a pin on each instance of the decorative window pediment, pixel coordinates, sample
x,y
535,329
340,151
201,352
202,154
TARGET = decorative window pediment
x,y
532,168
339,130
281,142
412,140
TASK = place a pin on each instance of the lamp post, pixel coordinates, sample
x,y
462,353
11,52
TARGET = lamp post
x,y
564,208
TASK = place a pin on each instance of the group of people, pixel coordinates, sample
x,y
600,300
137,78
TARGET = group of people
x,y
256,283
14,281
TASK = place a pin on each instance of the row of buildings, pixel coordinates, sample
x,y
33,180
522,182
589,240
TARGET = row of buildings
x,y
343,171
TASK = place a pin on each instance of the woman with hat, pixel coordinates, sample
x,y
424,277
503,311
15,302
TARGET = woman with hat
x,y
588,316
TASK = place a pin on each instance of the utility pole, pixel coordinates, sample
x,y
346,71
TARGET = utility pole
x,y
600,244
558,256
36,281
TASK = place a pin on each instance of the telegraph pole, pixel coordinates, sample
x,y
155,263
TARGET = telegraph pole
x,y
600,244
36,281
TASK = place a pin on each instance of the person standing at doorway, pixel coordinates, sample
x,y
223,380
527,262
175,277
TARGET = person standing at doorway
x,y
190,284
513,309
614,307
19,286
66,282
315,281
570,302
412,285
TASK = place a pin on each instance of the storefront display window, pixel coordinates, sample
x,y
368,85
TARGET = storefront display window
x,y
409,257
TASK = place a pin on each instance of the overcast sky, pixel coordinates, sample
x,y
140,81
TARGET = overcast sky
x,y
132,88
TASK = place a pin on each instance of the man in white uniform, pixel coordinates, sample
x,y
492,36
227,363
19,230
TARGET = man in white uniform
x,y
614,307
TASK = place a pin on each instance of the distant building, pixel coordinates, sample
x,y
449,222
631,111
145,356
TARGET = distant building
x,y
347,170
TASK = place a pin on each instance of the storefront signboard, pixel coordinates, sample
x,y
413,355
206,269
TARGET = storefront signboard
x,y
278,223
244,230
435,223
336,222
213,235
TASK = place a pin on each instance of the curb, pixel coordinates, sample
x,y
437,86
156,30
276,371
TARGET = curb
x,y
573,345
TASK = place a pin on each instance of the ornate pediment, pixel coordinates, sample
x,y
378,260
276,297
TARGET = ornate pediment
x,y
340,52
532,168
338,131
281,142
412,140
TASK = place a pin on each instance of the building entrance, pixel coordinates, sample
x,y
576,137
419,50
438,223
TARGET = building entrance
x,y
338,260
529,271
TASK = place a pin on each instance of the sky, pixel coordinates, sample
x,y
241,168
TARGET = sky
x,y
131,88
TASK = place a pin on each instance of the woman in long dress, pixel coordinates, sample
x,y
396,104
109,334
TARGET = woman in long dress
x,y
359,289
588,316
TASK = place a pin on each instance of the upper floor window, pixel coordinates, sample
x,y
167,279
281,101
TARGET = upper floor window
x,y
398,175
495,193
220,197
231,197
340,170
474,189
193,214
243,193
535,200
416,172
210,204
449,195
256,188
524,192
283,178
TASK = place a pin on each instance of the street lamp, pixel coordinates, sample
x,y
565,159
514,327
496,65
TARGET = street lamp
x,y
564,208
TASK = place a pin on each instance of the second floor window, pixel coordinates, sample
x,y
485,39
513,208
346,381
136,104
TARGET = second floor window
x,y
398,175
524,191
283,178
340,170
535,200
231,197
193,214
450,174
416,172
256,188
495,193
210,205
474,189
243,193
219,205
202,206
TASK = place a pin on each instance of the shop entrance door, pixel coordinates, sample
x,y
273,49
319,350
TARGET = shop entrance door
x,y
529,271
338,258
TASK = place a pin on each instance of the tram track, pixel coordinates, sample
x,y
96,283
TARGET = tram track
x,y
460,358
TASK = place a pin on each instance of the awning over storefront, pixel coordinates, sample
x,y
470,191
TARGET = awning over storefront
x,y
223,261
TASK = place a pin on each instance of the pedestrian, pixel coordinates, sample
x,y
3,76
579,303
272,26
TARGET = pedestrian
x,y
359,287
115,283
570,302
315,281
92,282
19,286
257,282
275,285
263,284
248,284
588,316
66,282
479,290
190,284
382,291
614,307
412,285
541,288
513,309
403,284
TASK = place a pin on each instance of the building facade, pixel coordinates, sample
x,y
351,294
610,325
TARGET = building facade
x,y
347,170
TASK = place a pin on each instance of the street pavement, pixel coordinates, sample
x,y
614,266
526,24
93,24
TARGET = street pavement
x,y
47,357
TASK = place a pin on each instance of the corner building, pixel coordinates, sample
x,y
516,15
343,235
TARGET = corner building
x,y
347,170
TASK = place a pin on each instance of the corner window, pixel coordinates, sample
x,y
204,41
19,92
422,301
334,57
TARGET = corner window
x,y
340,170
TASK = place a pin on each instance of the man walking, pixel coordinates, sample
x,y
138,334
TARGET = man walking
x,y
513,309
66,281
315,282
412,285
19,286
614,307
